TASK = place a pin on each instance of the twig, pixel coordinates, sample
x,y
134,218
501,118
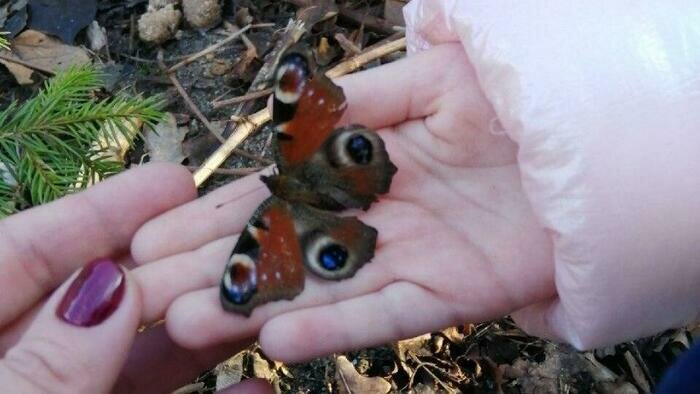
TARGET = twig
x,y
193,107
244,129
136,58
240,99
363,58
232,171
27,64
209,49
346,44
370,21
132,33
248,44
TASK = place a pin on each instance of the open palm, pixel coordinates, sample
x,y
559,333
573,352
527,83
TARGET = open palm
x,y
458,240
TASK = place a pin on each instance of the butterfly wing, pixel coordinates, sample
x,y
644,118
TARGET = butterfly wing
x,y
333,247
280,239
352,168
305,109
327,168
266,263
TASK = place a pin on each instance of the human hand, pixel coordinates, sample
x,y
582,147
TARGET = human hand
x,y
84,340
457,239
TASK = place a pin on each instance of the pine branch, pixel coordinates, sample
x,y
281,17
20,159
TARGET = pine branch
x,y
49,144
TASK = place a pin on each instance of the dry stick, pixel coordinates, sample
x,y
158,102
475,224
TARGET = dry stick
x,y
347,45
244,129
208,49
232,171
371,22
27,64
241,99
363,58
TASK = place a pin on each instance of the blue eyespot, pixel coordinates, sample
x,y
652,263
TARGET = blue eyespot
x,y
333,257
242,283
360,149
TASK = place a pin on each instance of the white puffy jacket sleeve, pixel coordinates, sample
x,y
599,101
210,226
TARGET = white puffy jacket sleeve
x,y
603,99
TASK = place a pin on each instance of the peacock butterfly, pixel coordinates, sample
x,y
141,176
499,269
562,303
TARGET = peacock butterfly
x,y
319,169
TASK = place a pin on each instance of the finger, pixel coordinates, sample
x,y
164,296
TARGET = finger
x,y
189,317
157,365
40,247
162,281
220,213
546,319
250,386
81,337
396,311
409,88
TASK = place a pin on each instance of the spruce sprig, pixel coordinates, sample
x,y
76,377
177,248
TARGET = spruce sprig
x,y
49,144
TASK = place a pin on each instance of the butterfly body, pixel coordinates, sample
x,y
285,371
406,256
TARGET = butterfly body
x,y
319,170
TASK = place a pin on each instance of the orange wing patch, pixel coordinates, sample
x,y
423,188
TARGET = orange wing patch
x,y
319,108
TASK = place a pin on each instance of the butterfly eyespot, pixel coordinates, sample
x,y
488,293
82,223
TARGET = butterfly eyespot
x,y
360,149
240,281
333,257
291,77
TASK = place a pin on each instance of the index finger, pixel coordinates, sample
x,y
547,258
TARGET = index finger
x,y
40,247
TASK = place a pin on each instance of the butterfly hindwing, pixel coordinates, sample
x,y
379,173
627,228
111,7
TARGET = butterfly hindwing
x,y
352,168
333,247
266,263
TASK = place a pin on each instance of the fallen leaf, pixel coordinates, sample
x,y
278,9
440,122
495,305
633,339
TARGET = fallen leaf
x,y
264,369
453,334
350,381
43,51
164,140
637,373
61,18
419,346
22,74
230,371
113,145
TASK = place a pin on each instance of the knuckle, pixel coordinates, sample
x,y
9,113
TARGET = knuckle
x,y
42,361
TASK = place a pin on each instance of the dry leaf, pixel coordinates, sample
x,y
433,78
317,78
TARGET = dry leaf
x,y
264,369
637,373
43,51
419,346
453,334
112,148
164,141
349,381
23,75
230,371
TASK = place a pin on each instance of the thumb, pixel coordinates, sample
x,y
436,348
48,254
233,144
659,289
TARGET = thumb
x,y
80,339
548,319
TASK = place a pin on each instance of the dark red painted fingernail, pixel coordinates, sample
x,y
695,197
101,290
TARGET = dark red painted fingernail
x,y
94,294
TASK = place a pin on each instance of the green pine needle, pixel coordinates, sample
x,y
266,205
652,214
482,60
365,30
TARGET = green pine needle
x,y
4,44
48,145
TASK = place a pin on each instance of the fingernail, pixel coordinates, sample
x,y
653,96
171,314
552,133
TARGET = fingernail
x,y
94,294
